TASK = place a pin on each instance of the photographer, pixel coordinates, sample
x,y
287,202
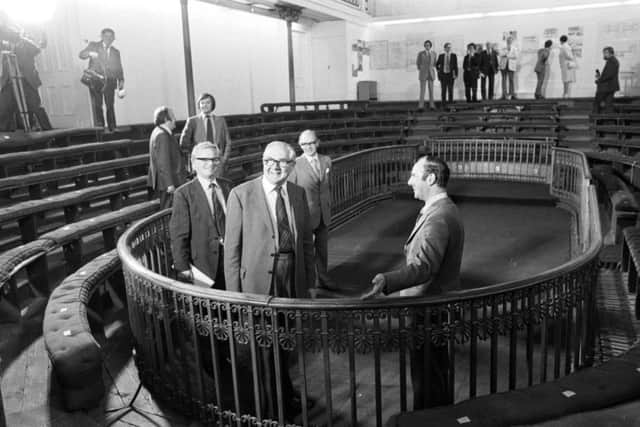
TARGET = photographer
x,y
106,75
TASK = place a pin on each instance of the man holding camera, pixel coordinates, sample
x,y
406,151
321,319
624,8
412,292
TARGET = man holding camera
x,y
105,65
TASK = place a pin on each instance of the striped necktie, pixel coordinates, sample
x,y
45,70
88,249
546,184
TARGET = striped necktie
x,y
285,238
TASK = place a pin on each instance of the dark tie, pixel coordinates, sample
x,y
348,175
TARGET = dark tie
x,y
285,239
209,128
218,210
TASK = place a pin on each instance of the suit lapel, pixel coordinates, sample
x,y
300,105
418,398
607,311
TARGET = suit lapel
x,y
419,222
312,171
257,188
201,199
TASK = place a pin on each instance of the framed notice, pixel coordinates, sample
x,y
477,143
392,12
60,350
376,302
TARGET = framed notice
x,y
379,51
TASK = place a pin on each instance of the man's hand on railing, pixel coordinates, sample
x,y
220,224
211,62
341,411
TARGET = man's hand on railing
x,y
379,285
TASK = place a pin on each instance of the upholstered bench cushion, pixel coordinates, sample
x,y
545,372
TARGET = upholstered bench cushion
x,y
611,383
623,201
75,355
13,257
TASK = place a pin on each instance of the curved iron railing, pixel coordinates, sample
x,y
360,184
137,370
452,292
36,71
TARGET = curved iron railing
x,y
210,353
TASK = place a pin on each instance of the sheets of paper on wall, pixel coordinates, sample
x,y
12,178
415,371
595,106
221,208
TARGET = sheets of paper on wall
x,y
568,393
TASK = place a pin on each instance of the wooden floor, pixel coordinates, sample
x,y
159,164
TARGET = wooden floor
x,y
500,246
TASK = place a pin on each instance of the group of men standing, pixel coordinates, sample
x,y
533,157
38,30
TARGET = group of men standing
x,y
478,63
269,235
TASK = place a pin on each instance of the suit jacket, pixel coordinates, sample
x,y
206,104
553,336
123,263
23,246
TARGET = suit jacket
x,y
509,58
608,81
165,161
489,62
541,63
453,65
433,253
317,188
194,239
426,64
195,131
471,67
109,66
250,240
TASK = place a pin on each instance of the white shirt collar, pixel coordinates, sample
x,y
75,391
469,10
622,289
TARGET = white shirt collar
x,y
431,200
206,182
310,158
203,115
163,126
269,187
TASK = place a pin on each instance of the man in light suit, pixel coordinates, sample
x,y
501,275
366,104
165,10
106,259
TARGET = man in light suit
x,y
508,67
433,254
166,170
311,172
426,63
447,67
269,250
607,82
198,218
104,59
206,126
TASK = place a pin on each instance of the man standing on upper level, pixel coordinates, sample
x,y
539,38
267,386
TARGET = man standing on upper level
x,y
206,126
607,82
447,66
426,64
104,59
433,254
311,172
166,170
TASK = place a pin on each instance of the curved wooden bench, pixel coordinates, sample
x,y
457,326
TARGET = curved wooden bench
x,y
50,138
28,213
611,383
75,355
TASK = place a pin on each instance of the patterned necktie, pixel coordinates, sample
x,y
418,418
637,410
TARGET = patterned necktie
x,y
218,210
209,128
285,238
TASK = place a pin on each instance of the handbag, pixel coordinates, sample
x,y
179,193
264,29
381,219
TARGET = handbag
x,y
92,79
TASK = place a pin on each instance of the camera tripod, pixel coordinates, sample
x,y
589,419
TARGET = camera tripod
x,y
10,64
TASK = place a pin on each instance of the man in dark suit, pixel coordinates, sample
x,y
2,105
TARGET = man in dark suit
x,y
268,250
542,68
470,73
206,126
607,82
311,172
166,171
433,254
25,50
488,70
198,218
447,68
104,59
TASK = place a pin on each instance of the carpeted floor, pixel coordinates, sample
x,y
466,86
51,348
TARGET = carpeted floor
x,y
504,240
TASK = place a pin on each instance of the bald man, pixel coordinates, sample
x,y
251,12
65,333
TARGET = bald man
x,y
268,250
311,172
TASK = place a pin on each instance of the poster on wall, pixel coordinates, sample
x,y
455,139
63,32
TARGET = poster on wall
x,y
550,34
624,37
576,40
397,54
511,33
379,51
413,47
529,44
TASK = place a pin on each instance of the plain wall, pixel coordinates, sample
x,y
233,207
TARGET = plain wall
x,y
402,83
239,57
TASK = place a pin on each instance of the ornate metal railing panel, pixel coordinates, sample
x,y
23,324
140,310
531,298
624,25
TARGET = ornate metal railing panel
x,y
499,159
220,356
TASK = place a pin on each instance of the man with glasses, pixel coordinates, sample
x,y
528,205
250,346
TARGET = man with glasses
x,y
311,172
269,250
198,219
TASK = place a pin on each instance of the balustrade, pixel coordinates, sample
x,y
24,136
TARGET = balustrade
x,y
210,353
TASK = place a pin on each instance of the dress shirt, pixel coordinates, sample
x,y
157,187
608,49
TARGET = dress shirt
x,y
271,194
165,127
206,117
107,49
447,62
314,161
207,191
